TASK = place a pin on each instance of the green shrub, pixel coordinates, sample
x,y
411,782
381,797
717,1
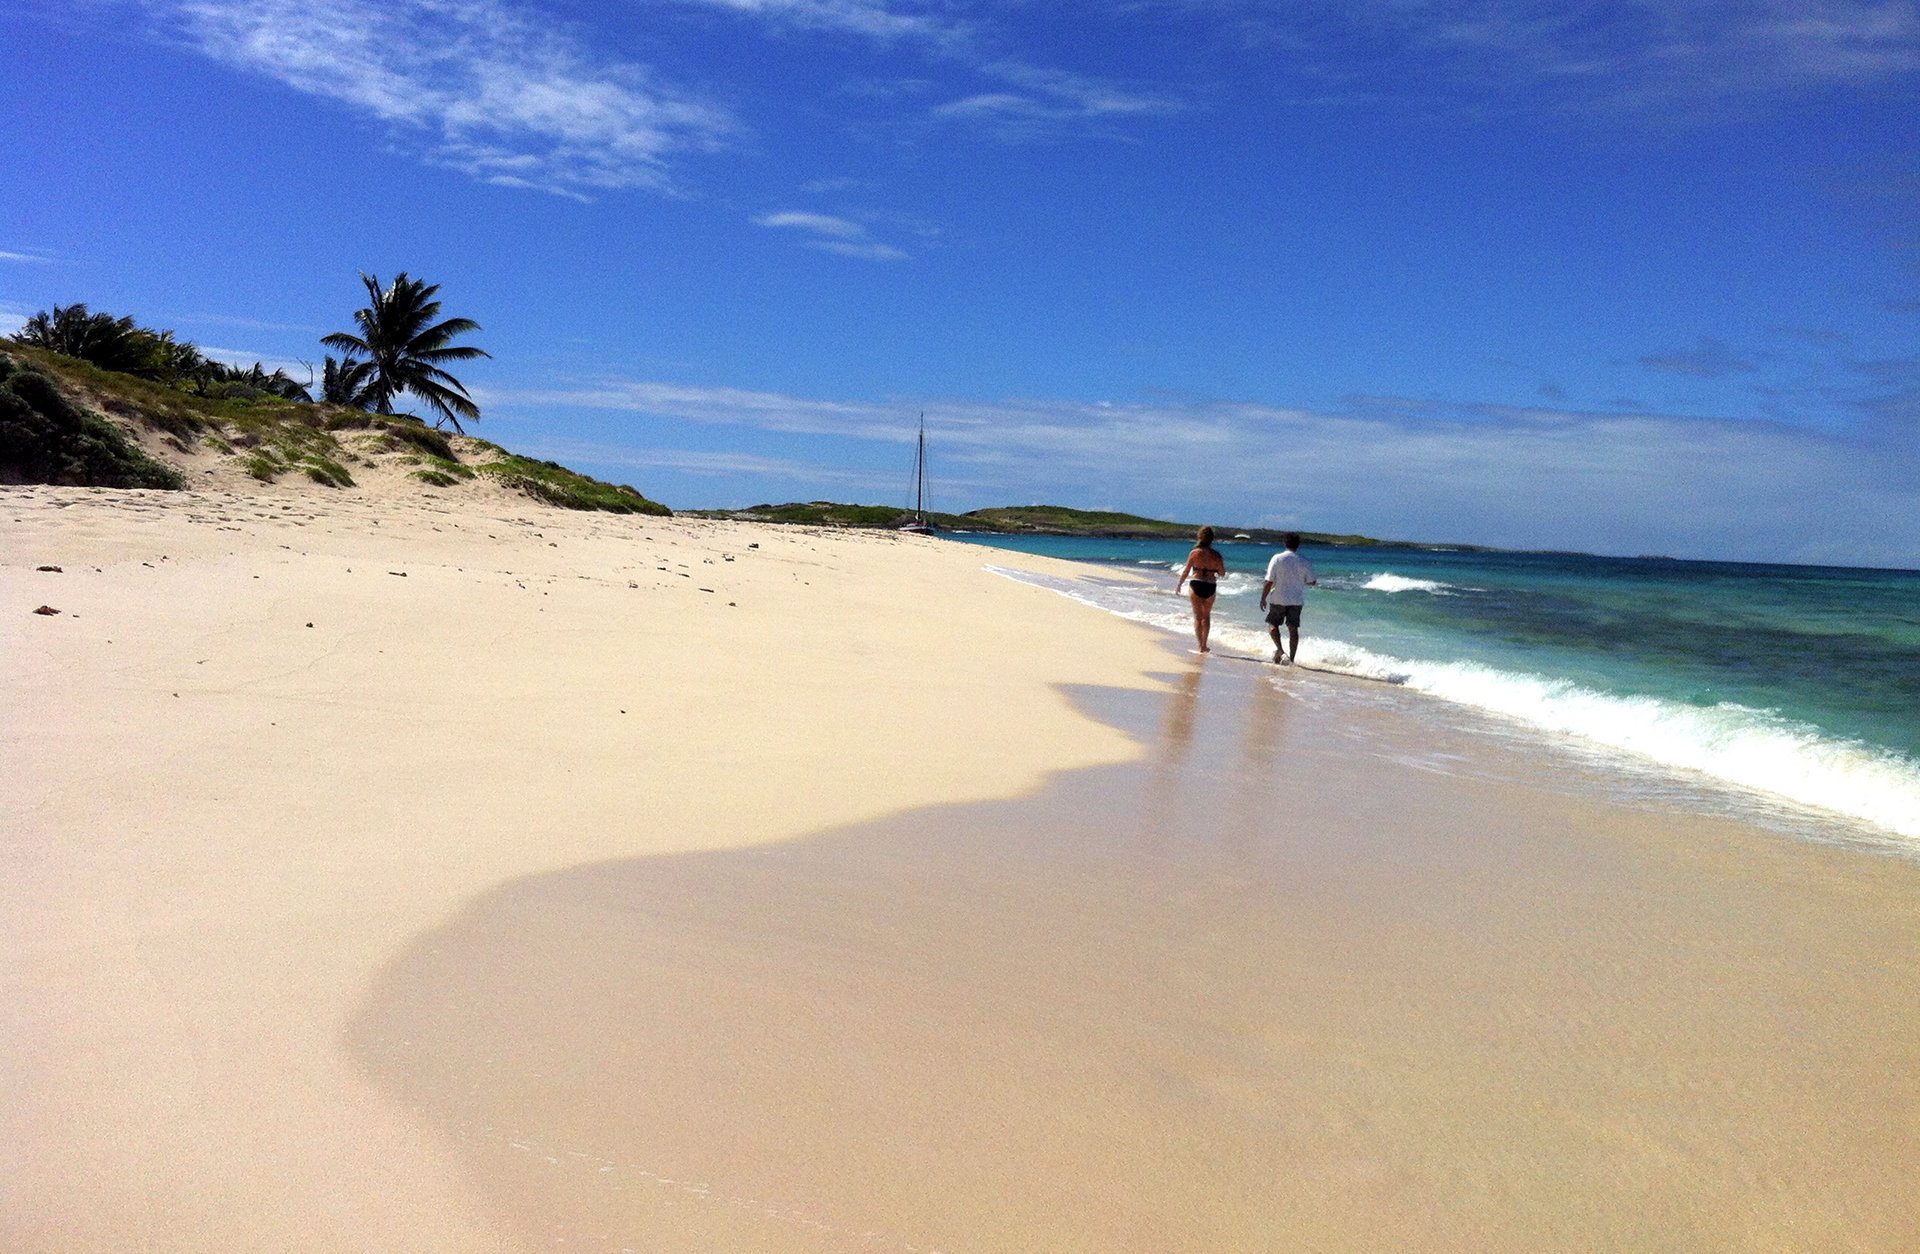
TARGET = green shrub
x,y
554,484
46,439
411,430
326,471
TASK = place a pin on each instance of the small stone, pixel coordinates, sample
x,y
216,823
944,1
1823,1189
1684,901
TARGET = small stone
x,y
55,569
46,609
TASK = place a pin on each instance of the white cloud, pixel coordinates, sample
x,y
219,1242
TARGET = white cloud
x,y
768,411
10,323
243,358
481,86
871,18
30,258
1636,483
834,235
1051,102
1054,106
718,464
1631,54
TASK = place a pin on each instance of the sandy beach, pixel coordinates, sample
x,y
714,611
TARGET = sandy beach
x,y
386,873
271,738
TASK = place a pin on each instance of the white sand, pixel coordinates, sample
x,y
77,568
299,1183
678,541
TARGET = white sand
x,y
273,735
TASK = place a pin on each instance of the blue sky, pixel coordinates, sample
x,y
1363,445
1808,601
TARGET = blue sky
x,y
1623,277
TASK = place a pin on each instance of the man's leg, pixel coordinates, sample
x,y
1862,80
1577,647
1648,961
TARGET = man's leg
x,y
1273,629
1293,640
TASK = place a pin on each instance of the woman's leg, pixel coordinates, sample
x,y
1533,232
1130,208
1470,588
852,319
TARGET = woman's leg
x,y
1202,619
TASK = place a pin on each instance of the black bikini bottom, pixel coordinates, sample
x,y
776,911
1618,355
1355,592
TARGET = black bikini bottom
x,y
1202,588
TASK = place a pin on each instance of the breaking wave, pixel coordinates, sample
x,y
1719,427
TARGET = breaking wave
x,y
1751,748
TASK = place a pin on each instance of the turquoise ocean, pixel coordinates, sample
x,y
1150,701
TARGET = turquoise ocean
x,y
1801,683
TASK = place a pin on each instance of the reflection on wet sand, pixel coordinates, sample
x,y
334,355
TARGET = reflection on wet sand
x,y
1257,992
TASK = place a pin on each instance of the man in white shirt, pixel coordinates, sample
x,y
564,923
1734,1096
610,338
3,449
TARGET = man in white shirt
x,y
1288,577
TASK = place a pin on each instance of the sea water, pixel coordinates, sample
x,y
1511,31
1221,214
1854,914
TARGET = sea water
x,y
1800,682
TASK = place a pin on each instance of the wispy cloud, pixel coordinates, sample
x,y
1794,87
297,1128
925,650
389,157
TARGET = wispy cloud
x,y
29,258
1526,477
1045,103
243,358
1685,55
834,235
718,464
1050,102
477,85
1708,359
873,19
251,324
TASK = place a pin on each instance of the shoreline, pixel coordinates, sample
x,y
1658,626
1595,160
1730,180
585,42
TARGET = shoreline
x,y
1270,986
896,897
1762,763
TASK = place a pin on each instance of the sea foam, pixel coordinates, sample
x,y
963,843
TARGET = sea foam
x,y
1387,581
1750,748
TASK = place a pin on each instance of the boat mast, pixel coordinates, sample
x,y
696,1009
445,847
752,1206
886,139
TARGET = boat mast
x,y
920,474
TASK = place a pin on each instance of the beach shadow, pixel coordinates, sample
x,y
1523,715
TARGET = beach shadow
x,y
1244,995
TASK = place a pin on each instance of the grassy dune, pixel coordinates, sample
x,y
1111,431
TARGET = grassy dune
x,y
84,426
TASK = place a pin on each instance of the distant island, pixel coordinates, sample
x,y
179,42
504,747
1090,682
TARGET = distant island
x,y
1040,520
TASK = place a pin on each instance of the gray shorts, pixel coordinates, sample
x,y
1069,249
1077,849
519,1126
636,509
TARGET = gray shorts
x,y
1283,614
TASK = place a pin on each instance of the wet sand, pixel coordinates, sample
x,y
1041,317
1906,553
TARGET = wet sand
x,y
1303,978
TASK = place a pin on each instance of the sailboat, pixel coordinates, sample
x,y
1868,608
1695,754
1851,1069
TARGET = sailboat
x,y
920,525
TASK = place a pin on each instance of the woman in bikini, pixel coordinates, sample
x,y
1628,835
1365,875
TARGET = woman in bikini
x,y
1205,567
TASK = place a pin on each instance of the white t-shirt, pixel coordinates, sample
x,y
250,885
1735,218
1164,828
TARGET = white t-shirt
x,y
1288,572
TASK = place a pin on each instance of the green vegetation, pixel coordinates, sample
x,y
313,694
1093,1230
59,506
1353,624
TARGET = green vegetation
x,y
556,485
45,438
124,347
828,514
1041,520
1059,519
49,433
397,432
404,349
325,471
73,359
348,383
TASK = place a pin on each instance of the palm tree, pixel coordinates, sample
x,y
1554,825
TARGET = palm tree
x,y
106,341
404,348
347,382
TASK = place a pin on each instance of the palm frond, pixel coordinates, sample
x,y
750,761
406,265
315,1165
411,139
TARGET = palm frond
x,y
401,342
